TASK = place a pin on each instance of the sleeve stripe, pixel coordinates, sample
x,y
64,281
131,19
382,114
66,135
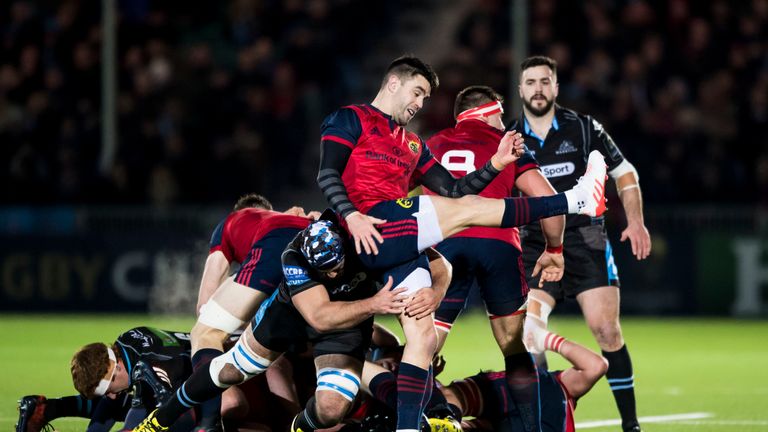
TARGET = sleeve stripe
x,y
339,140
427,165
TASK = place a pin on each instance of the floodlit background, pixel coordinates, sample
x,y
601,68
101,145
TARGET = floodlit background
x,y
129,128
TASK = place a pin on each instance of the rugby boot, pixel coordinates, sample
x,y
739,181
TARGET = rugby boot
x,y
446,424
31,414
589,191
150,424
632,428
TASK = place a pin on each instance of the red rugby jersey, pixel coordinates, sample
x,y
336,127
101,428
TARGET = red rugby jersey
x,y
466,148
236,234
384,155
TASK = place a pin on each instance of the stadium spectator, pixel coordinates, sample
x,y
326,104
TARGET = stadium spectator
x,y
560,139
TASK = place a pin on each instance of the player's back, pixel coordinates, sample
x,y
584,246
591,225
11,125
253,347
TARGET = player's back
x,y
466,148
167,350
236,234
556,404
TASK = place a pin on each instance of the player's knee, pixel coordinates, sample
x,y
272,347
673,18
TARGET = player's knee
x,y
204,336
608,335
336,390
237,365
424,336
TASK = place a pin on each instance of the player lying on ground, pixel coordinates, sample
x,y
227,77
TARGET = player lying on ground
x,y
118,382
488,397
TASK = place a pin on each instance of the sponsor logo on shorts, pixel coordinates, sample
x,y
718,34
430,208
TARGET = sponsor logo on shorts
x,y
558,170
295,275
414,146
405,202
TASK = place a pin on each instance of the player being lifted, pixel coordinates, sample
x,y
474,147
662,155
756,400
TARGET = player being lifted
x,y
368,163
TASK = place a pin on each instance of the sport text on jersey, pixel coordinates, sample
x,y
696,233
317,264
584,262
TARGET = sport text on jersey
x,y
558,170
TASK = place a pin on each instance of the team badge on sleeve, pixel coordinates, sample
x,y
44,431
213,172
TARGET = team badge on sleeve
x,y
295,275
414,146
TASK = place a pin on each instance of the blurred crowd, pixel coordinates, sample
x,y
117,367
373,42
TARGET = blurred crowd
x,y
681,85
229,96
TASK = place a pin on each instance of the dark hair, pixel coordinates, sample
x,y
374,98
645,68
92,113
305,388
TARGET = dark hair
x,y
252,200
408,66
539,61
474,96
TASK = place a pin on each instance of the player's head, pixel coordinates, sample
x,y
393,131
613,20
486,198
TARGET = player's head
x,y
252,200
538,84
96,371
408,82
481,103
323,247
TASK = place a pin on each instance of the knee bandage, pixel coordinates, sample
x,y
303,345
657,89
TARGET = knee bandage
x,y
215,316
340,381
247,362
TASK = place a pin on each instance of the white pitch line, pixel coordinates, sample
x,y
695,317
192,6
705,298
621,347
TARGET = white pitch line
x,y
649,419
725,422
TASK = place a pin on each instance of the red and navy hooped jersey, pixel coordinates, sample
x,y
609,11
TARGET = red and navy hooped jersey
x,y
236,234
466,148
488,397
384,155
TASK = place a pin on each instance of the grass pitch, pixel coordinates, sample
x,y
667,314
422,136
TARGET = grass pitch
x,y
690,374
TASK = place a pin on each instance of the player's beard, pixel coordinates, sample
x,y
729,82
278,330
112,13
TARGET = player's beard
x,y
538,112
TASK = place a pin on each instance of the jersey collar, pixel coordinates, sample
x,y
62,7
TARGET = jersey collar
x,y
530,132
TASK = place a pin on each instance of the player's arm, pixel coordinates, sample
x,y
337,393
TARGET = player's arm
x,y
340,132
437,178
588,368
427,300
628,185
550,263
325,315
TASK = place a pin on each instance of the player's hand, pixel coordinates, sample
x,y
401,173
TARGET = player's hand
x,y
511,148
314,215
639,238
551,266
388,300
362,229
296,211
423,303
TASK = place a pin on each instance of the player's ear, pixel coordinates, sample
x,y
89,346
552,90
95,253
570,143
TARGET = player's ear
x,y
393,83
